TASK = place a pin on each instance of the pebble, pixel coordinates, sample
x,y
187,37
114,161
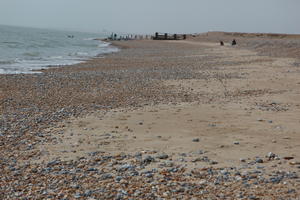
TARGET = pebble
x,y
126,167
213,162
148,159
162,156
259,160
106,176
294,163
271,156
118,178
201,152
196,140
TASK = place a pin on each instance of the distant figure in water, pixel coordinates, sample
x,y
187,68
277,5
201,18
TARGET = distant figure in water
x,y
233,42
70,36
221,43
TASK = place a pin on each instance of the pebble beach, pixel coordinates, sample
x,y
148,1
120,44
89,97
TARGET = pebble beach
x,y
183,119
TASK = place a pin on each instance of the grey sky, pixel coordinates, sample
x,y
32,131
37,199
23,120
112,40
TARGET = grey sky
x,y
148,16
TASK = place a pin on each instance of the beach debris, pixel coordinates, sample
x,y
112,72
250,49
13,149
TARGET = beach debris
x,y
288,157
271,156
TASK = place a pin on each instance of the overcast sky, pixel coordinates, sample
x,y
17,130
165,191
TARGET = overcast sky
x,y
148,16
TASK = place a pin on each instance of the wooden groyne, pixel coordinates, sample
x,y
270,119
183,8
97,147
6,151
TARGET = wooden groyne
x,y
167,36
156,36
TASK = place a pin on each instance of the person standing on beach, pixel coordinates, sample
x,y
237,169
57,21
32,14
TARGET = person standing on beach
x,y
233,42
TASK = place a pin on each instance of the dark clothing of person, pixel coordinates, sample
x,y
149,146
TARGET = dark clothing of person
x,y
233,42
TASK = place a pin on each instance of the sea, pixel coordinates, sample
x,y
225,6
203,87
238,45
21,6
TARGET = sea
x,y
23,50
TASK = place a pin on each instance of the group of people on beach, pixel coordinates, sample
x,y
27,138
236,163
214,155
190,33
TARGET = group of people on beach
x,y
232,43
114,36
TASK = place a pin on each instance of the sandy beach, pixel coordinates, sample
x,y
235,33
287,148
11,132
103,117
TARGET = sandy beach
x,y
186,119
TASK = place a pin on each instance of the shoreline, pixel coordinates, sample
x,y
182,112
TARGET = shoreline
x,y
166,115
32,65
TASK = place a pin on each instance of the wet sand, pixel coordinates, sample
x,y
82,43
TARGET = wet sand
x,y
189,118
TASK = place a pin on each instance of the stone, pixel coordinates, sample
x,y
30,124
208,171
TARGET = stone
x,y
253,198
200,152
197,160
196,140
162,156
126,167
213,162
271,156
77,196
167,164
294,163
291,191
202,182
148,160
106,176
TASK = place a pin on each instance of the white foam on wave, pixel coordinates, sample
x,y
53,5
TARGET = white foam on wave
x,y
89,39
103,44
81,54
63,53
27,66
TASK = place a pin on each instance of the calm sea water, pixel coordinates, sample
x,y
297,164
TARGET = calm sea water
x,y
25,49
